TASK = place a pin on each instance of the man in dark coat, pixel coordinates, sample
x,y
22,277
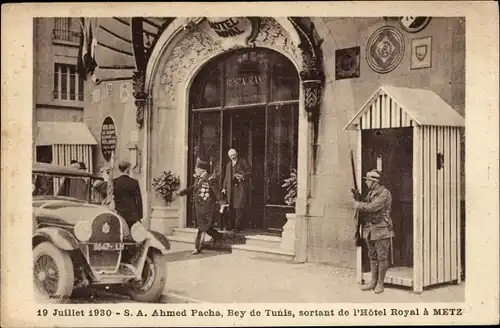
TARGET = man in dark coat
x,y
205,194
75,187
377,229
127,195
235,187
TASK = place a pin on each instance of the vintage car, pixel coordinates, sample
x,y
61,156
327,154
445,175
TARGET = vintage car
x,y
78,243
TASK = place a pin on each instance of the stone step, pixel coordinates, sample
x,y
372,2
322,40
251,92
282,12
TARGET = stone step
x,y
181,239
184,232
263,241
254,245
256,251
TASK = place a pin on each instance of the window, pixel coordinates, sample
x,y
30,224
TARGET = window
x,y
68,85
257,76
44,154
63,32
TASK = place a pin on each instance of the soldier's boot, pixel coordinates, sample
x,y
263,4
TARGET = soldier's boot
x,y
382,271
374,279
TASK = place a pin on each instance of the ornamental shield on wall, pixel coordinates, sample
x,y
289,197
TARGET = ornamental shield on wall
x,y
421,52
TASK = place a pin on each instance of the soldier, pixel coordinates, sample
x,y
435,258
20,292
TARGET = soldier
x,y
377,228
205,192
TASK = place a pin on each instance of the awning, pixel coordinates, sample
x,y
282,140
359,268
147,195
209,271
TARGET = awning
x,y
64,133
391,107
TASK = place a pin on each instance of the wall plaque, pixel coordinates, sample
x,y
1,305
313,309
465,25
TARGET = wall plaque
x,y
347,63
124,92
108,138
385,49
421,53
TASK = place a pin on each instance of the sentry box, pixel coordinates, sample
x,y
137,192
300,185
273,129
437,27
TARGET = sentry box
x,y
413,137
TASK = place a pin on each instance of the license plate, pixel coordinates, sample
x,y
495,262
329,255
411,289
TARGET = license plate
x,y
108,246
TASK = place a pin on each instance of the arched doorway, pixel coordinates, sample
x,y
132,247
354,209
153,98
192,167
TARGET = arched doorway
x,y
248,99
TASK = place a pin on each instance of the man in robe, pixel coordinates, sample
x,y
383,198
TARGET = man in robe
x,y
235,187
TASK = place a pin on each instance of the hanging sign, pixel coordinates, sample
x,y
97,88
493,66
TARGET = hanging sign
x,y
230,31
108,138
413,24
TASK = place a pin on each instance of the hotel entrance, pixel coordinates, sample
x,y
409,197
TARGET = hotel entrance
x,y
248,100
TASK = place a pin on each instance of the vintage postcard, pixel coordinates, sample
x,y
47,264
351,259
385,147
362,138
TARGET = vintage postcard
x,y
306,163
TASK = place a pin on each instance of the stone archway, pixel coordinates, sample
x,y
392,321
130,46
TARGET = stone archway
x,y
180,52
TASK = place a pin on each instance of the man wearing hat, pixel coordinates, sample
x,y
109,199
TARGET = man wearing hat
x,y
75,187
205,194
377,229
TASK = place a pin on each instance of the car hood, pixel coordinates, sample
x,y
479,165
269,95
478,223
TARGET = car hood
x,y
65,211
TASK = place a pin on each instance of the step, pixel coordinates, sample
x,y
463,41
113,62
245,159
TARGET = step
x,y
181,239
265,241
184,232
272,242
256,251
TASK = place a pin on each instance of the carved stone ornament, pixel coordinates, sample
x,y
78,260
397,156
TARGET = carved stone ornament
x,y
198,45
140,97
272,34
312,96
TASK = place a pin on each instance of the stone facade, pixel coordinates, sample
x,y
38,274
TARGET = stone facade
x,y
330,227
324,228
51,47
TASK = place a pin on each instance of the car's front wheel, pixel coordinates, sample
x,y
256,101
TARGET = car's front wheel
x,y
154,278
52,273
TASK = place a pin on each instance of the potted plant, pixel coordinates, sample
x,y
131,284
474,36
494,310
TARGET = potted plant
x,y
290,185
288,235
166,185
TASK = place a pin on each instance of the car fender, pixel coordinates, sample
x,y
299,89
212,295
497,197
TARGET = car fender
x,y
61,238
158,241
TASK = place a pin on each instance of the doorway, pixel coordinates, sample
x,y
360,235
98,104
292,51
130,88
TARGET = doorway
x,y
248,100
391,152
245,131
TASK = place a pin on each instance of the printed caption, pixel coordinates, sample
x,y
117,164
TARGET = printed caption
x,y
233,313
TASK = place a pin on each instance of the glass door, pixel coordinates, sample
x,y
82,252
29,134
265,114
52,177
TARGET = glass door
x,y
205,141
281,159
247,99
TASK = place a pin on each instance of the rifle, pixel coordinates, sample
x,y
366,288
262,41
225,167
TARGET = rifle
x,y
357,196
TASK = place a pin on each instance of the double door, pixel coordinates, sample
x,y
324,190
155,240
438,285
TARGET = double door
x,y
266,136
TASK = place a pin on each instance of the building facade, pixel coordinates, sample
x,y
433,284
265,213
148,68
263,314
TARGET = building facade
x,y
59,132
280,90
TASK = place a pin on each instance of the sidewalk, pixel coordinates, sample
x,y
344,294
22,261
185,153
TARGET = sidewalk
x,y
216,277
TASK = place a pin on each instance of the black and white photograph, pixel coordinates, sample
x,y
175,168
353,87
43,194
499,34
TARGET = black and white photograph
x,y
279,159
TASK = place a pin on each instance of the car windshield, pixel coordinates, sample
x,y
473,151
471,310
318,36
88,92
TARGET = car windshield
x,y
66,186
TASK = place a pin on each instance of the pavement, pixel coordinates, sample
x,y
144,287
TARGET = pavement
x,y
221,277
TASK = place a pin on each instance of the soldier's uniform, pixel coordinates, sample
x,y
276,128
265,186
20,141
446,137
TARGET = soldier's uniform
x,y
377,229
205,193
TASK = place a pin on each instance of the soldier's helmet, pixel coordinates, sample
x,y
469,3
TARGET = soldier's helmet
x,y
373,175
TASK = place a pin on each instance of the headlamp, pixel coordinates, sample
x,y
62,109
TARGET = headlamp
x,y
83,230
138,232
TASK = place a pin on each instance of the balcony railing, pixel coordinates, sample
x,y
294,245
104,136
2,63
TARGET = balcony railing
x,y
66,35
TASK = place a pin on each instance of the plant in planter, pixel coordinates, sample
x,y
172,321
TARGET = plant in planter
x,y
290,185
288,234
166,185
